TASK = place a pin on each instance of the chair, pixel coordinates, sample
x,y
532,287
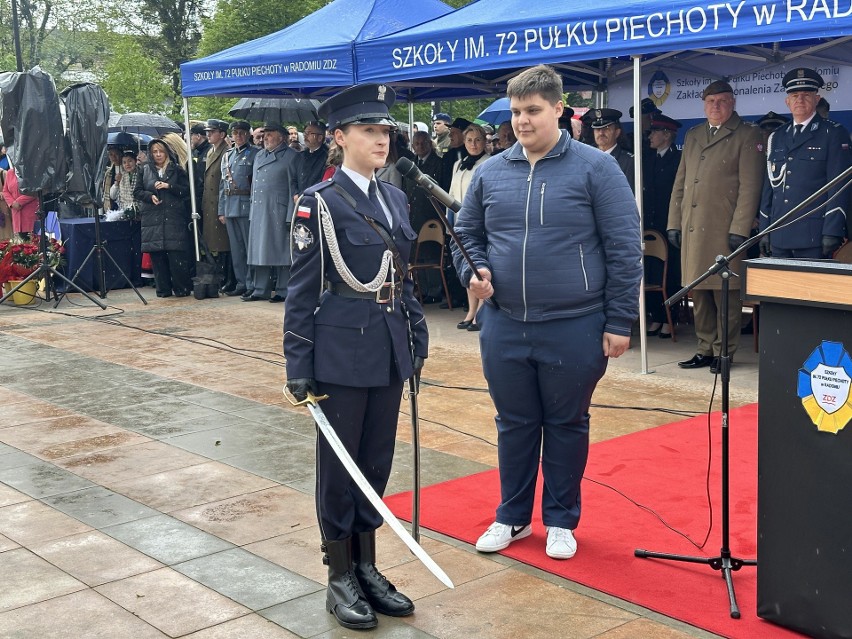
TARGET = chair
x,y
657,247
432,231
844,253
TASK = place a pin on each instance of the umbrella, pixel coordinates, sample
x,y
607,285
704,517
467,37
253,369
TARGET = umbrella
x,y
120,138
496,113
292,110
147,123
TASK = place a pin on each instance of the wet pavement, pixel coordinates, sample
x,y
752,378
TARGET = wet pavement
x,y
154,482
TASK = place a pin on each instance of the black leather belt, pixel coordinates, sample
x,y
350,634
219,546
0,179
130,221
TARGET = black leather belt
x,y
384,295
237,191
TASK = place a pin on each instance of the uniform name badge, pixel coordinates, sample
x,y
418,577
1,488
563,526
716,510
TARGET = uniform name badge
x,y
824,385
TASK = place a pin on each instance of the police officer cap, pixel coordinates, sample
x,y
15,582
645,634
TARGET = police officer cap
x,y
600,118
241,125
802,79
647,107
715,88
361,104
660,122
273,126
461,124
772,121
216,125
198,128
443,117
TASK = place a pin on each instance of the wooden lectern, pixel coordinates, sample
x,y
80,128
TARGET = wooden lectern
x,y
804,526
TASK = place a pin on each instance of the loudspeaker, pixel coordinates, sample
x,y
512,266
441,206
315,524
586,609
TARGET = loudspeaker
x,y
87,117
31,124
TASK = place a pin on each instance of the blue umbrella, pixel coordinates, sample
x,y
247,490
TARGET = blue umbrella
x,y
496,113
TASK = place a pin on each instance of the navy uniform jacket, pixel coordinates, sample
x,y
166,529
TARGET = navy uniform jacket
x,y
658,180
343,340
237,167
626,161
797,168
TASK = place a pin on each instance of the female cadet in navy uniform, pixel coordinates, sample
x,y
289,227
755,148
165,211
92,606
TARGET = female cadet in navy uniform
x,y
346,335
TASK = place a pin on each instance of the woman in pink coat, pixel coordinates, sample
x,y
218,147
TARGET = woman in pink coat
x,y
23,207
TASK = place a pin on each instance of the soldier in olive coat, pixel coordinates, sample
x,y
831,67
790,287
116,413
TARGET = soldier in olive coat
x,y
715,196
213,225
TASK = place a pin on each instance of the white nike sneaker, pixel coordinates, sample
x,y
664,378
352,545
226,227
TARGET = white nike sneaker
x,y
560,543
499,536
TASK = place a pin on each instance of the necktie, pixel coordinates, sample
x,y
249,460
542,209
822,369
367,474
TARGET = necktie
x,y
374,200
798,130
713,130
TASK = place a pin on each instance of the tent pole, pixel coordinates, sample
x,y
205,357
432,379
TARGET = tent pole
x,y
190,169
637,167
410,118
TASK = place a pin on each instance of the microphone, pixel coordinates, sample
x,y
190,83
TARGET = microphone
x,y
409,170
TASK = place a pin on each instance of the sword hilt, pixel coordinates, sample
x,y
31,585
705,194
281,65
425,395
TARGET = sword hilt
x,y
310,399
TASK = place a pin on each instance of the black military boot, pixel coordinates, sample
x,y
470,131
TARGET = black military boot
x,y
344,598
380,593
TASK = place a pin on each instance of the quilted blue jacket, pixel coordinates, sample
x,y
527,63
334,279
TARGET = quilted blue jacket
x,y
561,239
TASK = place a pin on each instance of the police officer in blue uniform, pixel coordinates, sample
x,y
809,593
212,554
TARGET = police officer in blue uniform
x,y
353,330
606,127
801,157
235,203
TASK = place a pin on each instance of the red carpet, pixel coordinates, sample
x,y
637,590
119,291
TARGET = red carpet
x,y
664,469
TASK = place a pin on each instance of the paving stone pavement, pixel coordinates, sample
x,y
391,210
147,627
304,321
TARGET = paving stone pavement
x,y
155,483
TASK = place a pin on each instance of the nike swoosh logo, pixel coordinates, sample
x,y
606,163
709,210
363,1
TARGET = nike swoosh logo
x,y
517,531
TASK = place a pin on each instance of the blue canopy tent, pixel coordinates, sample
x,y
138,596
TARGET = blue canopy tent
x,y
475,50
310,58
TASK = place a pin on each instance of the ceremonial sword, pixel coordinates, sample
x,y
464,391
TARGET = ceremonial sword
x,y
312,402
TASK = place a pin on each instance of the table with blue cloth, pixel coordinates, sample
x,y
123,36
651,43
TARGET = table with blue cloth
x,y
122,239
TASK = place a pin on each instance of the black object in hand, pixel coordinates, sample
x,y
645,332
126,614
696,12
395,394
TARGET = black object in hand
x,y
301,386
674,237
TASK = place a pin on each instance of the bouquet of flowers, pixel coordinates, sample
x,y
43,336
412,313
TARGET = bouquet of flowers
x,y
19,258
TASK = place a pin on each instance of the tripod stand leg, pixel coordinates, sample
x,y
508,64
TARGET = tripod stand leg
x,y
48,272
123,274
53,271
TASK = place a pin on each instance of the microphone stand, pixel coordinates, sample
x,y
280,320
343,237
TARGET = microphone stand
x,y
45,270
725,561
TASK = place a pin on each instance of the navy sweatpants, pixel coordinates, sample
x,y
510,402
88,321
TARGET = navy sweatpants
x,y
541,376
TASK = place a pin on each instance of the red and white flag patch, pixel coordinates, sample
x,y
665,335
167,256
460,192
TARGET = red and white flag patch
x,y
303,211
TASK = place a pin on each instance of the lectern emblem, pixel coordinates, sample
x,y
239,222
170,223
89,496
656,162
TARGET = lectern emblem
x,y
825,382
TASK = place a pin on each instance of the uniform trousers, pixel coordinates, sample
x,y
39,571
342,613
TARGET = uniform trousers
x,y
365,419
706,307
262,280
238,234
811,252
541,376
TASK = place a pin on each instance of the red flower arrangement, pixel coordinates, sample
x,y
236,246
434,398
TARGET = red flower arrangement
x,y
20,258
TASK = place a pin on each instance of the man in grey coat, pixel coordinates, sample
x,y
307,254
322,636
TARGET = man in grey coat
x,y
271,212
235,203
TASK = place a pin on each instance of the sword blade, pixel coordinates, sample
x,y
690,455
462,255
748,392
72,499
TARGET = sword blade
x,y
415,445
373,497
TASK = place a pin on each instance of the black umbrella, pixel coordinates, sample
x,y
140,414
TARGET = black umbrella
x,y
291,110
146,123
120,138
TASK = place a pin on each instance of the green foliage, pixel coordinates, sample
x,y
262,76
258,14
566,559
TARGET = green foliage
x,y
132,79
238,21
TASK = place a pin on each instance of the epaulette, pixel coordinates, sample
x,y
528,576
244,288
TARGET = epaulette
x,y
319,186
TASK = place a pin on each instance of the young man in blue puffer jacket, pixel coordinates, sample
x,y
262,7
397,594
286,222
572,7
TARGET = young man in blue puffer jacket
x,y
553,229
